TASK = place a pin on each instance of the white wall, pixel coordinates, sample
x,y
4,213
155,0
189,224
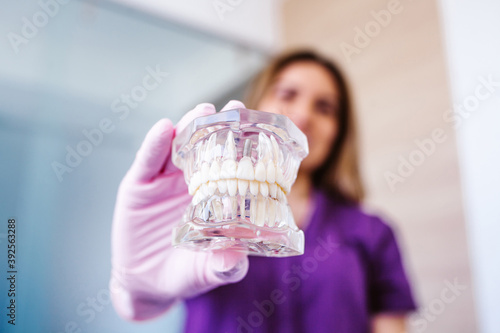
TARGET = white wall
x,y
473,50
254,23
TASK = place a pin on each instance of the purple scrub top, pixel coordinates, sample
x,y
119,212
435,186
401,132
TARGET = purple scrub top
x,y
351,269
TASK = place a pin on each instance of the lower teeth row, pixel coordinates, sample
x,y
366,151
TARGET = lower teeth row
x,y
258,210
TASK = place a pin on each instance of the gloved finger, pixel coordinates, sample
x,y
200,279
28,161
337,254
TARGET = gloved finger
x,y
188,273
154,151
203,109
233,104
226,267
200,110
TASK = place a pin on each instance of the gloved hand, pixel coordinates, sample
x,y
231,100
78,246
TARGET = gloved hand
x,y
148,274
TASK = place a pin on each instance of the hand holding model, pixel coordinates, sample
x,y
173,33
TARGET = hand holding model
x,y
148,274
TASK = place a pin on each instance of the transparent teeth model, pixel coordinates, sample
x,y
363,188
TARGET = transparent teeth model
x,y
239,166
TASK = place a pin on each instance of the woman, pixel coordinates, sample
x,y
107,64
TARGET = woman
x,y
350,278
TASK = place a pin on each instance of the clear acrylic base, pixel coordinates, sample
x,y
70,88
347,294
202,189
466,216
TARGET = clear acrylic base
x,y
240,235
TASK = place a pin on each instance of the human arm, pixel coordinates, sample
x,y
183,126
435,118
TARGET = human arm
x,y
390,292
388,323
148,274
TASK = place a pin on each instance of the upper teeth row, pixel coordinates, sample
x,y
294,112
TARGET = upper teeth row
x,y
217,166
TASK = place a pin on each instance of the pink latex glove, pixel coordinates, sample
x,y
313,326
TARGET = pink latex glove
x,y
148,274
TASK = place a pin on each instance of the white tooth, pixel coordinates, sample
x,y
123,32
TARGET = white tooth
x,y
273,188
212,186
287,187
200,152
280,195
261,211
264,148
217,209
191,189
197,198
205,171
278,213
230,147
260,171
218,151
228,169
264,189
230,207
234,202
284,215
279,176
210,147
204,190
242,208
222,185
287,172
242,187
271,172
276,149
254,187
245,169
205,212
281,222
232,186
269,149
253,210
214,172
260,146
271,212
195,182
226,207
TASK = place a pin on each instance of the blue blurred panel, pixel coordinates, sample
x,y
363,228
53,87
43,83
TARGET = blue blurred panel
x,y
60,85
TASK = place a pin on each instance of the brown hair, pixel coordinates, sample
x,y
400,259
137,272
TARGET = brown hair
x,y
339,175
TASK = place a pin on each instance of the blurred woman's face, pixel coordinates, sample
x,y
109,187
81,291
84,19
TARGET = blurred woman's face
x,y
306,93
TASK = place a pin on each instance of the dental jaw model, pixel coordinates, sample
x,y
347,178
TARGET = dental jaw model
x,y
239,166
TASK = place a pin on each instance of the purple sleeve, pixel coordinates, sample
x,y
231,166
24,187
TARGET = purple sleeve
x,y
389,289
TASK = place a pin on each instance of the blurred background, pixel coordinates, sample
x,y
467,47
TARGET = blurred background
x,y
426,82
